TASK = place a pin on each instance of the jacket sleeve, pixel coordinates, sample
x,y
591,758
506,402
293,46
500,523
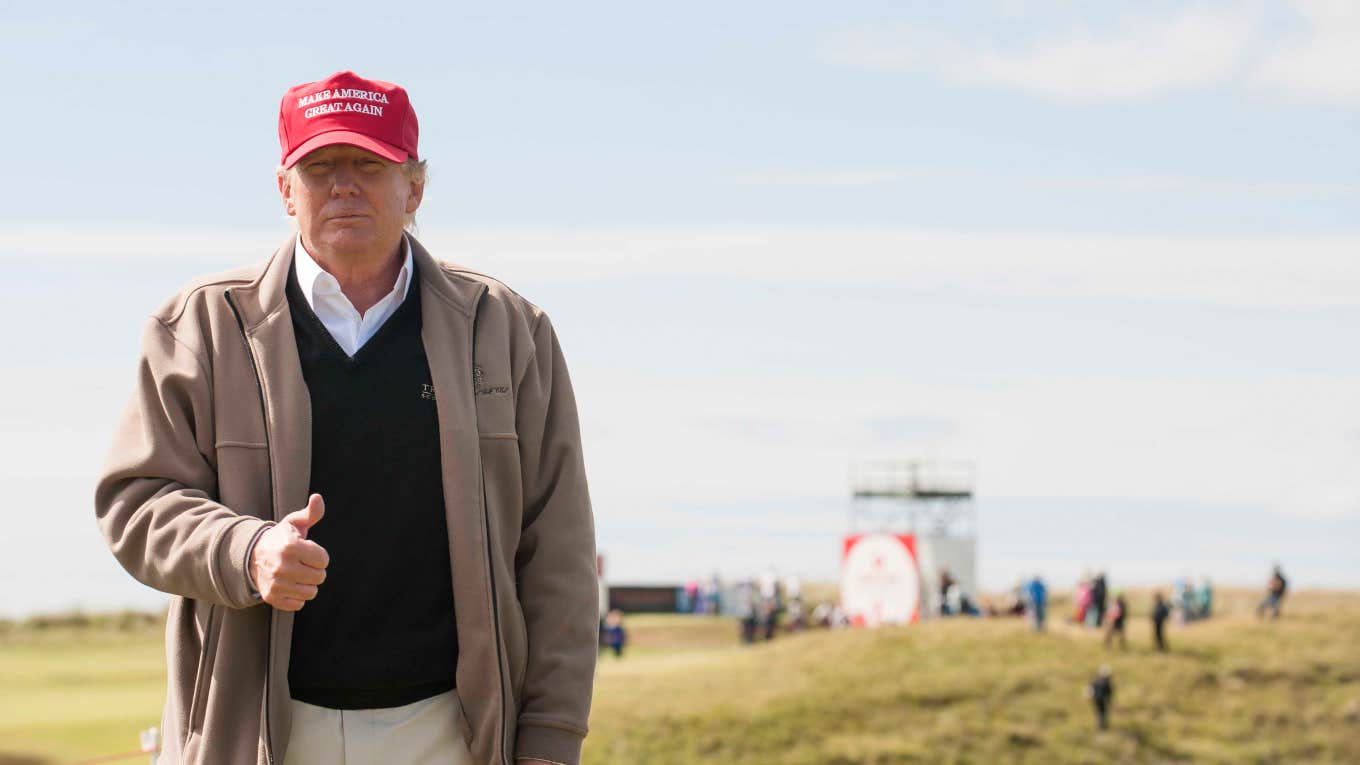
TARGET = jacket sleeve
x,y
555,562
156,496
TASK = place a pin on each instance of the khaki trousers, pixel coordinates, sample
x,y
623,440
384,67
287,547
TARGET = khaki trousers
x,y
423,733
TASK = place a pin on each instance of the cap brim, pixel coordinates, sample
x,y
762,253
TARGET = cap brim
x,y
350,138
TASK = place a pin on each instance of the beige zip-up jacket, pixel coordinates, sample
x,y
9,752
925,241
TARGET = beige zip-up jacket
x,y
216,443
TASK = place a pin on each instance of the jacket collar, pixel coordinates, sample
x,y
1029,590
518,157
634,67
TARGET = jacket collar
x,y
266,295
460,291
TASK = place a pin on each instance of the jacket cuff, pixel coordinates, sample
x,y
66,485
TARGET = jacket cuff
x,y
232,561
250,550
552,744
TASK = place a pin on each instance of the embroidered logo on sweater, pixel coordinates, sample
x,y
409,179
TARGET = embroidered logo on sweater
x,y
427,392
482,389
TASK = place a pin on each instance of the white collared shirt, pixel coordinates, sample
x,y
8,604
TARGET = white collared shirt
x,y
339,316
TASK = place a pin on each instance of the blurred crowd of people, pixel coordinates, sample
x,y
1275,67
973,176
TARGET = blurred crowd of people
x,y
767,604
1188,603
1098,606
764,605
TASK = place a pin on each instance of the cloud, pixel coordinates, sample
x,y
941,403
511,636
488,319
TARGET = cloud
x,y
1171,183
1276,445
135,245
1284,272
1120,184
842,179
1141,55
1287,272
1322,63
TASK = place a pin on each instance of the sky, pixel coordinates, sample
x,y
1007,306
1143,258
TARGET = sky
x,y
1107,253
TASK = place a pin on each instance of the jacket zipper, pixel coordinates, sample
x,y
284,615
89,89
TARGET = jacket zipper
x,y
495,610
273,511
490,564
205,662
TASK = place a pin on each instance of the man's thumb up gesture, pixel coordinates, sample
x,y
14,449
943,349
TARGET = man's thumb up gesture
x,y
285,566
304,519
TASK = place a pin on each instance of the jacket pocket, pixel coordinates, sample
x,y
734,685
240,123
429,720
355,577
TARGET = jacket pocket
x,y
518,648
464,727
203,679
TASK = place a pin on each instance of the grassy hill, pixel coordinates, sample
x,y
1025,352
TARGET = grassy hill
x,y
963,691
972,691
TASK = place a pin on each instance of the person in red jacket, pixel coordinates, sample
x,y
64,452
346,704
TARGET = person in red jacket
x,y
1114,620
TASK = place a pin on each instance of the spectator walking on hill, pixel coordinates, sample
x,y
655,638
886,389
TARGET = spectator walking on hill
x,y
1081,600
1160,612
770,604
615,636
747,610
1101,694
691,603
1115,619
820,616
713,602
828,616
966,605
1274,595
1206,599
769,618
1098,596
1038,601
946,581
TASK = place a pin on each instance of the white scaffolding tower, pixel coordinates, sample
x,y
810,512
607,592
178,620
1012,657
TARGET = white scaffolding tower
x,y
934,501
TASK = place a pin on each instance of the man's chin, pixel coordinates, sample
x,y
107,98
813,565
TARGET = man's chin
x,y
355,239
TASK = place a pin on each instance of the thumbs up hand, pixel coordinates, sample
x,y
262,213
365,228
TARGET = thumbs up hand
x,y
285,566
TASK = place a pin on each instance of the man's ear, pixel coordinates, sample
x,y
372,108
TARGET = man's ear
x,y
416,195
286,193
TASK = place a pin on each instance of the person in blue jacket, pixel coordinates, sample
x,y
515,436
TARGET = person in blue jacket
x,y
615,636
1038,601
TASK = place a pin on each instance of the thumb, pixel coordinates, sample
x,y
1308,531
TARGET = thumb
x,y
307,517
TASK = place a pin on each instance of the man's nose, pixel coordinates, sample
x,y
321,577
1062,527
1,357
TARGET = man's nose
x,y
343,181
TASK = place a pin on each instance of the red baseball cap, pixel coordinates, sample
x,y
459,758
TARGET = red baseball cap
x,y
346,108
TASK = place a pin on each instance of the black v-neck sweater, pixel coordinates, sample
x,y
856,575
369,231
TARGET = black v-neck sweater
x,y
380,632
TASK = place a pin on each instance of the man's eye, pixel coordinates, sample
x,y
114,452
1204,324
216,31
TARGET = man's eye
x,y
371,165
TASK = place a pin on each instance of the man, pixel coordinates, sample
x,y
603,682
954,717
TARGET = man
x,y
1098,596
358,470
1161,611
1116,616
1037,595
1275,590
1101,693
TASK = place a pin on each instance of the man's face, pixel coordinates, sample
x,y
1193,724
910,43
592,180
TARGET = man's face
x,y
349,201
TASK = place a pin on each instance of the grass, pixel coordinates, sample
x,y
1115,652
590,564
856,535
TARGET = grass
x,y
972,691
74,692
965,691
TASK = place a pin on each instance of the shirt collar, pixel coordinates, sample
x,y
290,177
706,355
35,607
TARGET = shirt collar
x,y
315,281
